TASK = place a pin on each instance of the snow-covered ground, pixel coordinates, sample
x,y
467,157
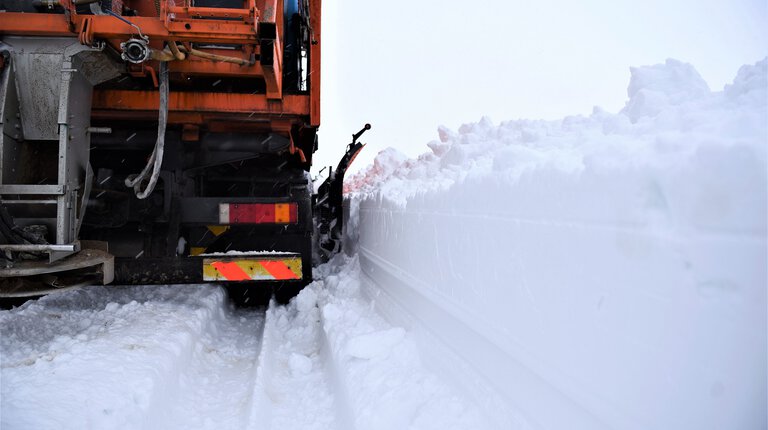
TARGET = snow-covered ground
x,y
595,272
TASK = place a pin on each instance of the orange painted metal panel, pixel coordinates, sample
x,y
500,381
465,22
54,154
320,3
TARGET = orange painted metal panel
x,y
213,109
193,66
109,27
314,69
209,12
270,11
200,102
34,24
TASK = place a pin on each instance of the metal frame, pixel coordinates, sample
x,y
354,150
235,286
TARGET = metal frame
x,y
54,83
257,28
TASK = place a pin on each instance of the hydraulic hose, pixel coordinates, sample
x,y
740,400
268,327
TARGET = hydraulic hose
x,y
175,50
156,159
215,57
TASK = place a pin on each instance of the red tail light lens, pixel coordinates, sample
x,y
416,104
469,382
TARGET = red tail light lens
x,y
258,213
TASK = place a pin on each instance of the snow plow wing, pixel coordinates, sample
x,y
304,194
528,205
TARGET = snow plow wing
x,y
329,201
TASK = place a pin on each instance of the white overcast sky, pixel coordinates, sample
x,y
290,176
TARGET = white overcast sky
x,y
408,66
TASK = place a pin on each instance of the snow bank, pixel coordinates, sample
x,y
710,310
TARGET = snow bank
x,y
606,271
292,389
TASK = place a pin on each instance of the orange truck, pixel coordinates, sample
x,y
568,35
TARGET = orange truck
x,y
162,141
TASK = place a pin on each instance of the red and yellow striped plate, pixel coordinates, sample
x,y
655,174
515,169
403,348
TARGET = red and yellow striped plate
x,y
252,268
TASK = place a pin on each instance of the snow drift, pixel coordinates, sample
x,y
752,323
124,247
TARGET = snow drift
x,y
606,271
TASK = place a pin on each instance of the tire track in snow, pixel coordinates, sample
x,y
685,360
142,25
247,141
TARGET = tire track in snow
x,y
215,389
102,357
293,388
376,366
173,357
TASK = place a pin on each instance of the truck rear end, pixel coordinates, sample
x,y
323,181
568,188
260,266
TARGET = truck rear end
x,y
171,139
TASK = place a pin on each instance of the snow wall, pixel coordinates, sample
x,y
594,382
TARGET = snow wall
x,y
606,271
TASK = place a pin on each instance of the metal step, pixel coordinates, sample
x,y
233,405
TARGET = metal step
x,y
43,190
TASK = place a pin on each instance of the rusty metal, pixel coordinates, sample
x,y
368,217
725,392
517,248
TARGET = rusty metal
x,y
209,12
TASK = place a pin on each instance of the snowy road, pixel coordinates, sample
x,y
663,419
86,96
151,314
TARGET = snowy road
x,y
178,357
130,357
181,357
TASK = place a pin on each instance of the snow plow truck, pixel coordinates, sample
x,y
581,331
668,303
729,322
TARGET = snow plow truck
x,y
162,141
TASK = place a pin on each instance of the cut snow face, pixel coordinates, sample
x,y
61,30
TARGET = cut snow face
x,y
606,271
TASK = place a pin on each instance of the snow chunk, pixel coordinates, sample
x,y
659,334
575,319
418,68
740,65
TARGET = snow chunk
x,y
300,364
652,88
751,82
446,134
306,300
376,344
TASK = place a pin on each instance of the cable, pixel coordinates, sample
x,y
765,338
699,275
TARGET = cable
x,y
156,159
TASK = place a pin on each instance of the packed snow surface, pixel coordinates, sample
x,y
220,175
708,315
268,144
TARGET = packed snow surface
x,y
595,272
606,271
179,357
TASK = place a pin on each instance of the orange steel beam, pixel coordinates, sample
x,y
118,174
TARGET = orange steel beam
x,y
272,61
219,123
273,73
109,27
34,24
270,11
249,104
192,66
210,12
314,68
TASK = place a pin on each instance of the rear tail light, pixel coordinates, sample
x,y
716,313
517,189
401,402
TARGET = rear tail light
x,y
258,213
